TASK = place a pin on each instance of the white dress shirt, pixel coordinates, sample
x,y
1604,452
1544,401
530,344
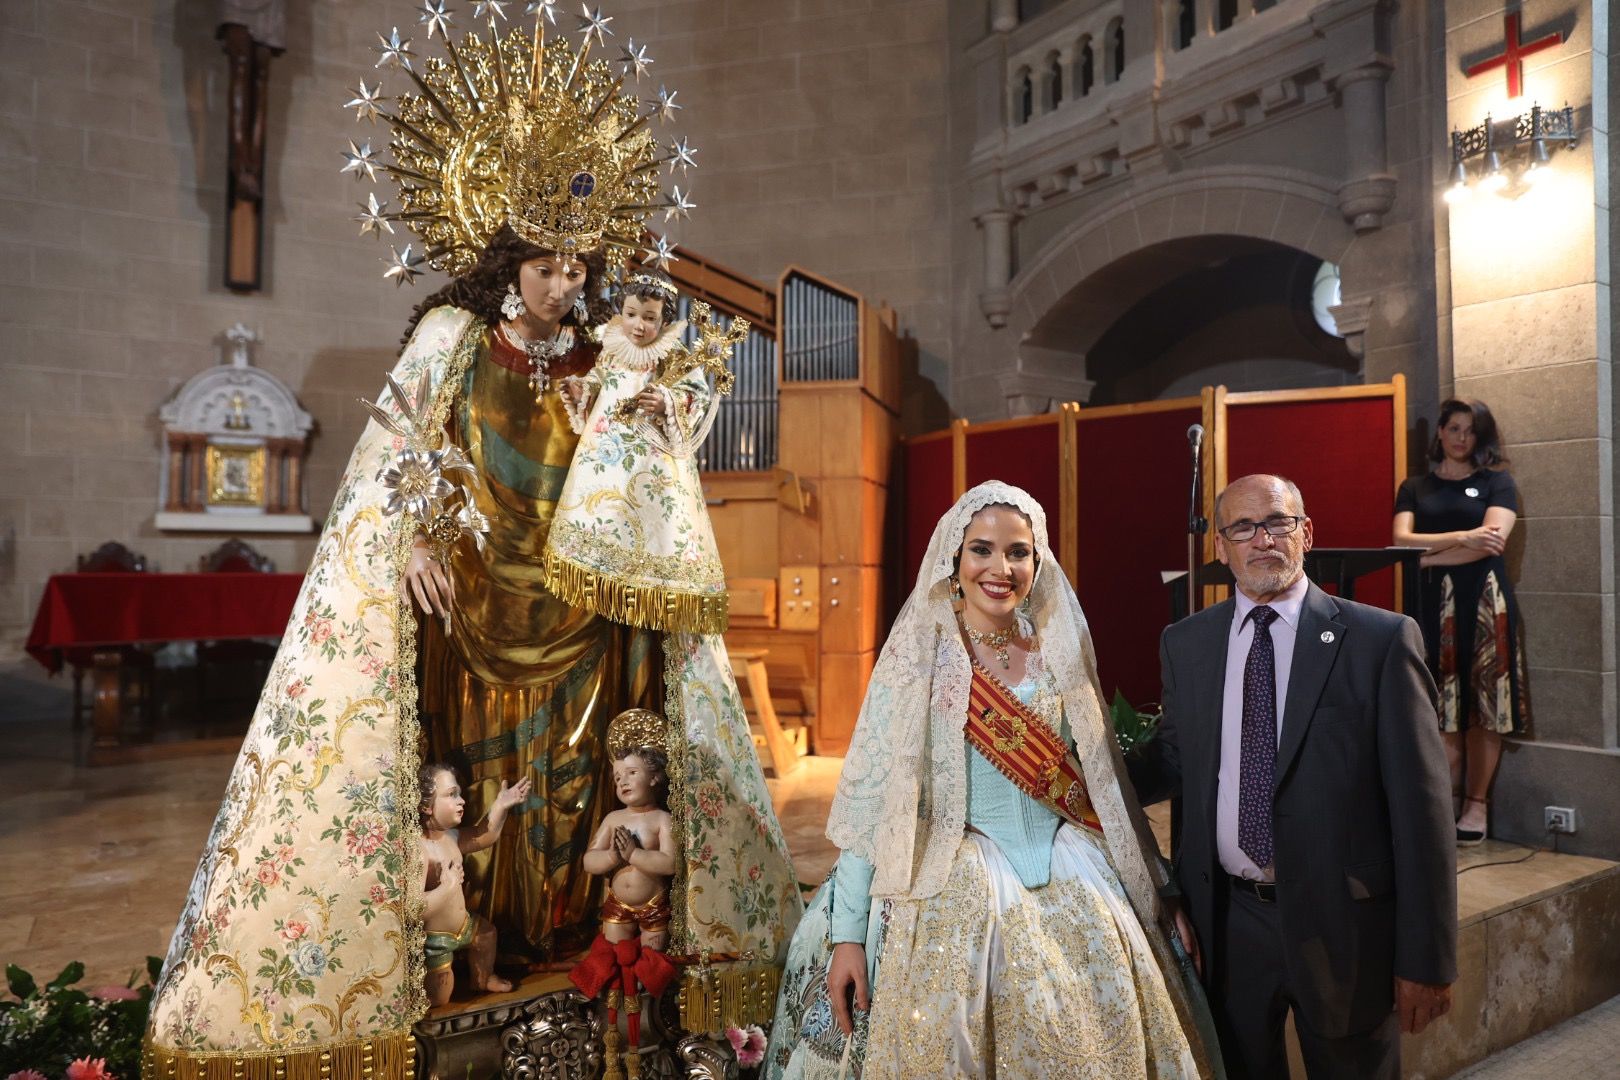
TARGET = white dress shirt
x,y
1283,630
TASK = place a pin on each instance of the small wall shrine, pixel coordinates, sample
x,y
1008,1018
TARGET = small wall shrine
x,y
236,439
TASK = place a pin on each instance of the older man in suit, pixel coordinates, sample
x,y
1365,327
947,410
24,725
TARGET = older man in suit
x,y
1316,855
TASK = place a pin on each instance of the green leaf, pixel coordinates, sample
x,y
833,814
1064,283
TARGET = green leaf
x,y
70,975
20,982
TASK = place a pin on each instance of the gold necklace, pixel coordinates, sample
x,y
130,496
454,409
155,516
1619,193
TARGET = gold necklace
x,y
996,641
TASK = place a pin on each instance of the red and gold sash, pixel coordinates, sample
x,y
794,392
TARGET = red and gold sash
x,y
1024,748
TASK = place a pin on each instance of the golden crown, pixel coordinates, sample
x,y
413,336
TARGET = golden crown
x,y
637,729
521,130
663,285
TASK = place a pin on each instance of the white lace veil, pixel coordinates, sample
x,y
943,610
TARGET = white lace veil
x,y
902,795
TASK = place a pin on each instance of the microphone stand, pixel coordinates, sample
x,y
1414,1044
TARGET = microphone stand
x,y
1197,524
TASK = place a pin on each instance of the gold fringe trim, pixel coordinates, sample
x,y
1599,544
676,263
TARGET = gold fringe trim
x,y
731,995
653,607
382,1057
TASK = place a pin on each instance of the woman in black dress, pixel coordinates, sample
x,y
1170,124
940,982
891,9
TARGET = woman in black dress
x,y
1462,512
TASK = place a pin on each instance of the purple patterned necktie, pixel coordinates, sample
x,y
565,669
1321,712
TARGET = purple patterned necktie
x,y
1259,747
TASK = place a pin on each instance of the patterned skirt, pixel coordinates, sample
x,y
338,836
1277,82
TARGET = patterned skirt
x,y
989,978
1476,649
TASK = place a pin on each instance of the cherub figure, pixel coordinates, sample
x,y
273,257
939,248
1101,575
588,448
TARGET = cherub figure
x,y
450,926
635,846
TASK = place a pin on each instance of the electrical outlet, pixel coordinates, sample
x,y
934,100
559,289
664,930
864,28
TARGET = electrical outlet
x,y
1560,819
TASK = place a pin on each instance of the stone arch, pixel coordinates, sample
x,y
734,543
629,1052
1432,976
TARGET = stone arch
x,y
1068,293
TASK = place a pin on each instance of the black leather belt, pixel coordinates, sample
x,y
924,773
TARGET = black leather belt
x,y
1263,891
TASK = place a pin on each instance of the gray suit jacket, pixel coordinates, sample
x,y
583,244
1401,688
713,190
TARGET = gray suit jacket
x,y
1364,840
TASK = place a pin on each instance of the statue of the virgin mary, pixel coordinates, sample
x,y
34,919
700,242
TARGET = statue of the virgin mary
x,y
527,169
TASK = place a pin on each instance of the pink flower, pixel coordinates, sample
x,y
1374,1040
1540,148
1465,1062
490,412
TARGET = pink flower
x,y
115,993
709,800
321,631
379,895
267,874
754,873
293,929
27,1074
364,837
748,1044
372,666
296,688
89,1069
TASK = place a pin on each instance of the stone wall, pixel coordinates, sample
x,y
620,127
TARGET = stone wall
x,y
1531,327
112,173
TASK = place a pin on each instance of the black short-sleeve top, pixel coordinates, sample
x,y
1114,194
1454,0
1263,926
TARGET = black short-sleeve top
x,y
1438,505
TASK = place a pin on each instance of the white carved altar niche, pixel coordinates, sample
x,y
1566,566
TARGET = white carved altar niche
x,y
235,443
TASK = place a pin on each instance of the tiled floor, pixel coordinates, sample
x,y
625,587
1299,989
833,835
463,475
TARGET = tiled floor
x,y
94,863
1583,1047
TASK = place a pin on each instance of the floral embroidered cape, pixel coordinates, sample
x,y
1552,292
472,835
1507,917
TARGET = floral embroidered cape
x,y
300,942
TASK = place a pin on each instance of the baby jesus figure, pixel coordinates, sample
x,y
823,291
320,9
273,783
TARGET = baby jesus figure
x,y
635,847
450,926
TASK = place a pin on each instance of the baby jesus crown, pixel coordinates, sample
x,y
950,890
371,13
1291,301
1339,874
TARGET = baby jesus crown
x,y
637,729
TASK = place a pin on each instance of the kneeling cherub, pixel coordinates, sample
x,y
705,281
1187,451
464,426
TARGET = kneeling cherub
x,y
450,926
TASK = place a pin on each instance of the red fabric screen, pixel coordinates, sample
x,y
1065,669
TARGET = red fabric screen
x,y
1134,470
1341,453
930,491
1027,456
81,610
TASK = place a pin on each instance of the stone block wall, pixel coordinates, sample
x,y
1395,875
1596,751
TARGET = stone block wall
x,y
112,175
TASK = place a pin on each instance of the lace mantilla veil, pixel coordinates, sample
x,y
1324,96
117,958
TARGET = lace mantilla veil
x,y
902,796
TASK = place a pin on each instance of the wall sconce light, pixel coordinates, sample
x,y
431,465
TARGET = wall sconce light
x,y
1523,144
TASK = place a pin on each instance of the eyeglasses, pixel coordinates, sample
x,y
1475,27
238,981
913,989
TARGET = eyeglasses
x,y
1278,525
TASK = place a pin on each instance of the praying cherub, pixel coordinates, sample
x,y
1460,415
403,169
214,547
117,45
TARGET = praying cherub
x,y
635,846
450,926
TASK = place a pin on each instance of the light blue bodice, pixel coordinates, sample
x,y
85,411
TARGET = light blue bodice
x,y
1021,827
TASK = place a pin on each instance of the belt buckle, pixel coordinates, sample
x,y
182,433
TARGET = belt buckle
x,y
1265,892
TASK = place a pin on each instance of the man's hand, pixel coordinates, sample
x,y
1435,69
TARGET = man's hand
x,y
1189,938
1418,1004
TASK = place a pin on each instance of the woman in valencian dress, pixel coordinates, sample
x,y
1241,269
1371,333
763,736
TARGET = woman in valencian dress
x,y
994,910
299,952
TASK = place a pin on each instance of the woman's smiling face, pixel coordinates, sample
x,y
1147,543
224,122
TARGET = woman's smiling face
x,y
997,565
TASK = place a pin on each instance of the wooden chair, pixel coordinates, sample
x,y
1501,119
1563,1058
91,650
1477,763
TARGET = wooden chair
x,y
134,663
235,557
230,674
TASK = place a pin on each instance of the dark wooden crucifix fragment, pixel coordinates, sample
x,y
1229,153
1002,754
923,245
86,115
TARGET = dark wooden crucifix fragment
x,y
251,32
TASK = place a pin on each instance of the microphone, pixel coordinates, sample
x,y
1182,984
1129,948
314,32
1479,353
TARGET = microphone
x,y
1195,436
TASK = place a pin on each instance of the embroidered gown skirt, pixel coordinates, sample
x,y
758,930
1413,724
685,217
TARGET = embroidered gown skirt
x,y
990,978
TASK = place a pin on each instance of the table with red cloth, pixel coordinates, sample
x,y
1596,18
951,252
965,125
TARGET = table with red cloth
x,y
88,619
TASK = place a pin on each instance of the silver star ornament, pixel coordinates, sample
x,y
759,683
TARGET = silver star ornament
x,y
435,17
678,205
489,9
395,52
404,266
682,156
360,160
374,216
666,107
366,101
548,8
635,61
594,23
661,254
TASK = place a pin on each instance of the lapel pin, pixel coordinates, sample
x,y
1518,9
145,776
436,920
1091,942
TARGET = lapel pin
x,y
1327,637
1472,493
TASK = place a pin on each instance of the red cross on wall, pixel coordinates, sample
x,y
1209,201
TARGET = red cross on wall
x,y
1513,55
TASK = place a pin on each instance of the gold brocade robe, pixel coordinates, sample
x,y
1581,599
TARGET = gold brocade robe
x,y
524,685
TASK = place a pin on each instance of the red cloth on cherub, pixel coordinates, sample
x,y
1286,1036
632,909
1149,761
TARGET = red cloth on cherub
x,y
607,963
